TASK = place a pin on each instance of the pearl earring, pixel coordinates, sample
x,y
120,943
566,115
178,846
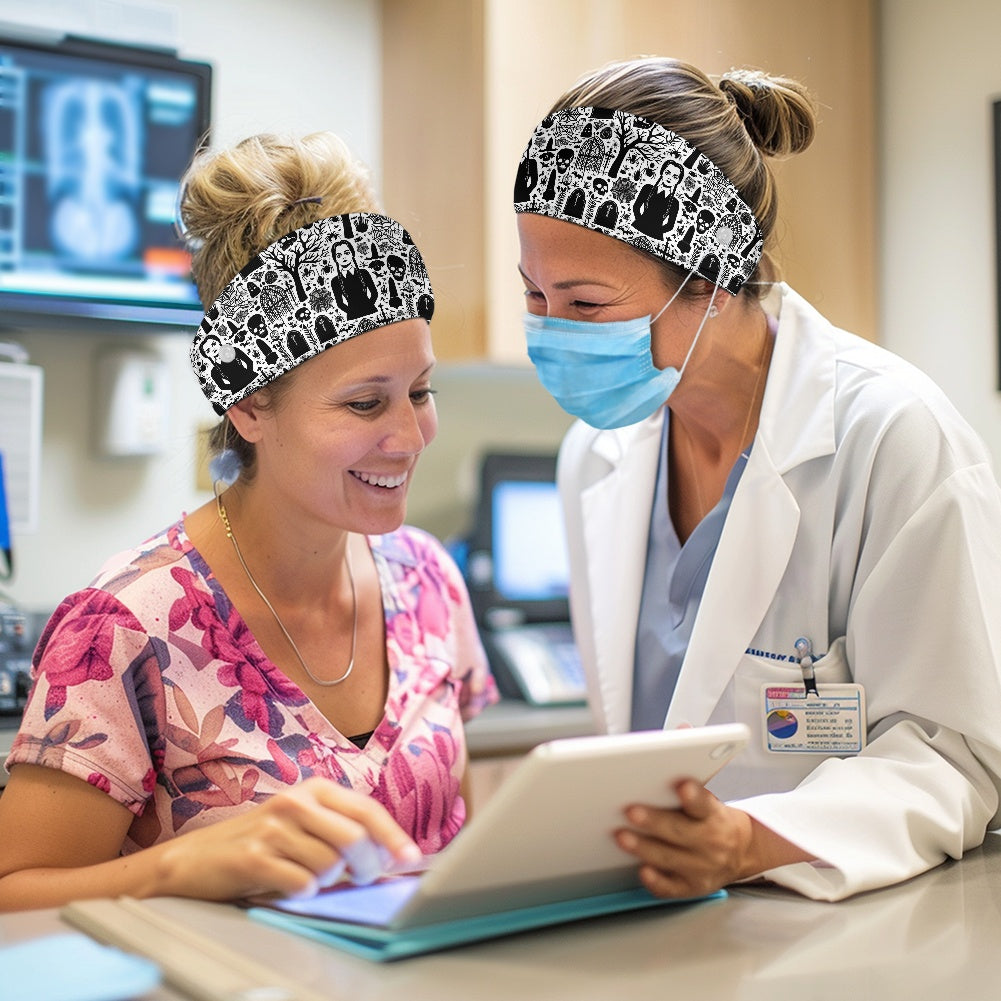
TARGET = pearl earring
x,y
713,312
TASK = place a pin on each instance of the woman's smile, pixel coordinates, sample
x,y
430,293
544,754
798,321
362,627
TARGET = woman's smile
x,y
382,480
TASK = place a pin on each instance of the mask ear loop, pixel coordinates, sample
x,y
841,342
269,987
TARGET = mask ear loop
x,y
673,297
705,316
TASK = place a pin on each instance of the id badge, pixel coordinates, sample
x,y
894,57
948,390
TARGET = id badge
x,y
830,722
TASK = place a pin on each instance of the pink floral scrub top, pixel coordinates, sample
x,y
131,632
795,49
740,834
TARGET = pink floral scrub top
x,y
150,686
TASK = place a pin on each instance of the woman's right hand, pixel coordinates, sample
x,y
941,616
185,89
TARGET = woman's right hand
x,y
292,844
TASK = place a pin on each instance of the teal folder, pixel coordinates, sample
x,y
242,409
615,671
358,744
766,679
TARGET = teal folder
x,y
382,943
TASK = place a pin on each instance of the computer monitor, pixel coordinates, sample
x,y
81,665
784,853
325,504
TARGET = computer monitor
x,y
94,139
530,557
517,562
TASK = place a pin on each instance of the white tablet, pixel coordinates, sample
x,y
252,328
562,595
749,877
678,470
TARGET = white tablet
x,y
546,834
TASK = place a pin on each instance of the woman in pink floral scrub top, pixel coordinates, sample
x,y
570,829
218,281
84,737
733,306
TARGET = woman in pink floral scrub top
x,y
273,689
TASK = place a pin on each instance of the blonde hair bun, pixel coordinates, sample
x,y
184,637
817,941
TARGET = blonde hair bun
x,y
779,113
235,202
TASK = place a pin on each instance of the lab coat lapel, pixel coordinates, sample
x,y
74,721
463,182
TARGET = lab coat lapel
x,y
616,558
752,556
796,425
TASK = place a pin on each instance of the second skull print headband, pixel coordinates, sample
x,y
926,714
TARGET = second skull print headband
x,y
332,279
630,178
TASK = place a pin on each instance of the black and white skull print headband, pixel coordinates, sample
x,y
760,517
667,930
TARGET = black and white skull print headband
x,y
332,279
632,179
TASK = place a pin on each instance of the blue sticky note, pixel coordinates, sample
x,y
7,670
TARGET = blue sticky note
x,y
72,967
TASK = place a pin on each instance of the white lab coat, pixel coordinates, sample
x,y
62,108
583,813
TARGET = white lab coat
x,y
867,510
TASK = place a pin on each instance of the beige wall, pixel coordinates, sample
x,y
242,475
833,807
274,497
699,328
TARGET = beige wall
x,y
433,135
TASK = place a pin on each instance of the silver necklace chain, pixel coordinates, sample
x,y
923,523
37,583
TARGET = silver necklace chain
x,y
281,625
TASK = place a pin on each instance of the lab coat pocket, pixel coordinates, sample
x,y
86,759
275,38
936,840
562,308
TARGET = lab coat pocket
x,y
775,772
756,669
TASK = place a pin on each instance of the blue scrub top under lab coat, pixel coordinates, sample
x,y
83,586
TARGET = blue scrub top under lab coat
x,y
673,584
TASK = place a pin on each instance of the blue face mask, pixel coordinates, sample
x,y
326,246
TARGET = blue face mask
x,y
602,373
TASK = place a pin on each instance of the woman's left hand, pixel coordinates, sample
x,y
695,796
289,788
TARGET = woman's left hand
x,y
701,846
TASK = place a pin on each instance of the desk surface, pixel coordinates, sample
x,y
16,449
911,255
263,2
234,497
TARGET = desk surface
x,y
934,937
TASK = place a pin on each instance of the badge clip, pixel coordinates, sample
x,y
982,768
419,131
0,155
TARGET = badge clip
x,y
804,652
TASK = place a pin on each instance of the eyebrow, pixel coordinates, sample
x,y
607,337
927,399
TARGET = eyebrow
x,y
569,282
382,379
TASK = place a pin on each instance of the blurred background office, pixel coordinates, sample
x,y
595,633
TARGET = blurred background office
x,y
888,222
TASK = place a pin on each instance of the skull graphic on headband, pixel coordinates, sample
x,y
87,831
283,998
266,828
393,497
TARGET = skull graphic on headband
x,y
319,285
630,178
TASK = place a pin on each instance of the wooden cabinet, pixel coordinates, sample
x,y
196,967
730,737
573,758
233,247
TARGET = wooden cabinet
x,y
435,121
465,81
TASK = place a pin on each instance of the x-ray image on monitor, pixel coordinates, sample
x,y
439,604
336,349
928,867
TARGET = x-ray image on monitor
x,y
93,135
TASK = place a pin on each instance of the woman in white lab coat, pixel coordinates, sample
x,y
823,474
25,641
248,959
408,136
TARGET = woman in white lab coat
x,y
805,538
